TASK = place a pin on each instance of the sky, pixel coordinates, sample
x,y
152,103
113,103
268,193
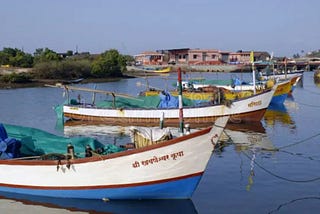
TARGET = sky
x,y
281,27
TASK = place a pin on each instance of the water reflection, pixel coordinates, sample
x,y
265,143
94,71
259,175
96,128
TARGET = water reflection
x,y
249,136
316,78
278,114
317,84
250,140
99,206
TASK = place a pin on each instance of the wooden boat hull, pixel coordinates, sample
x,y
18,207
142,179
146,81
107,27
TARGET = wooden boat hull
x,y
199,122
160,71
281,94
240,91
165,70
294,81
246,109
171,169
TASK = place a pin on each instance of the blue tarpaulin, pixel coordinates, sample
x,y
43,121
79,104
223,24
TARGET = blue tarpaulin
x,y
9,147
167,100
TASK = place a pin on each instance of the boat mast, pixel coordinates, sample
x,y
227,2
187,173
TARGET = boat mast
x,y
285,68
181,123
94,95
253,72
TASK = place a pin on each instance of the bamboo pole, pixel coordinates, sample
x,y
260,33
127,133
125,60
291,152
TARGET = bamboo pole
x,y
67,87
181,122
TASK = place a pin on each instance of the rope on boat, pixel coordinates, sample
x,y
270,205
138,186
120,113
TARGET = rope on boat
x,y
26,158
310,91
310,105
293,201
280,149
278,176
300,155
283,147
299,142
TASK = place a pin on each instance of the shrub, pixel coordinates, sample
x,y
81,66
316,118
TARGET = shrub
x,y
16,78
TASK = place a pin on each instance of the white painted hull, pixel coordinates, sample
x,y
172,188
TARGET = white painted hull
x,y
247,109
170,169
284,76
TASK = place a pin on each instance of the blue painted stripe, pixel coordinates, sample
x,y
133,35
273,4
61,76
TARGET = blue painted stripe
x,y
177,189
113,206
279,99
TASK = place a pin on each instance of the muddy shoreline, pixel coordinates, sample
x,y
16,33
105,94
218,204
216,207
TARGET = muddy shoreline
x,y
43,82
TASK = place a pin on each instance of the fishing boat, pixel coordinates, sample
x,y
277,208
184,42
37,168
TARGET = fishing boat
x,y
73,81
237,89
205,93
42,164
282,75
281,94
148,110
152,69
159,70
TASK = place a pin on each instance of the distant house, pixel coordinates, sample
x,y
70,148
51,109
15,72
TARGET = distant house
x,y
149,58
239,57
243,57
178,56
194,56
204,57
198,57
261,56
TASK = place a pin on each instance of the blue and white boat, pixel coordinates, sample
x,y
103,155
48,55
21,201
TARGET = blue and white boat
x,y
170,169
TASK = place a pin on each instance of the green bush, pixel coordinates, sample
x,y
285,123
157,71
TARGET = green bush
x,y
16,78
109,64
66,69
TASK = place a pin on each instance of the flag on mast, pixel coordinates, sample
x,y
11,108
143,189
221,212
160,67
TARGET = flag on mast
x,y
251,57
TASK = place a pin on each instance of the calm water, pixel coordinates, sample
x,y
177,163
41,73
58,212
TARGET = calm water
x,y
244,176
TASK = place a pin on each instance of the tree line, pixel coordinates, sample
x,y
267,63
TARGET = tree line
x,y
48,64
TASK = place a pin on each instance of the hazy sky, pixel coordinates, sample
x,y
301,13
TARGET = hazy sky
x,y
284,27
